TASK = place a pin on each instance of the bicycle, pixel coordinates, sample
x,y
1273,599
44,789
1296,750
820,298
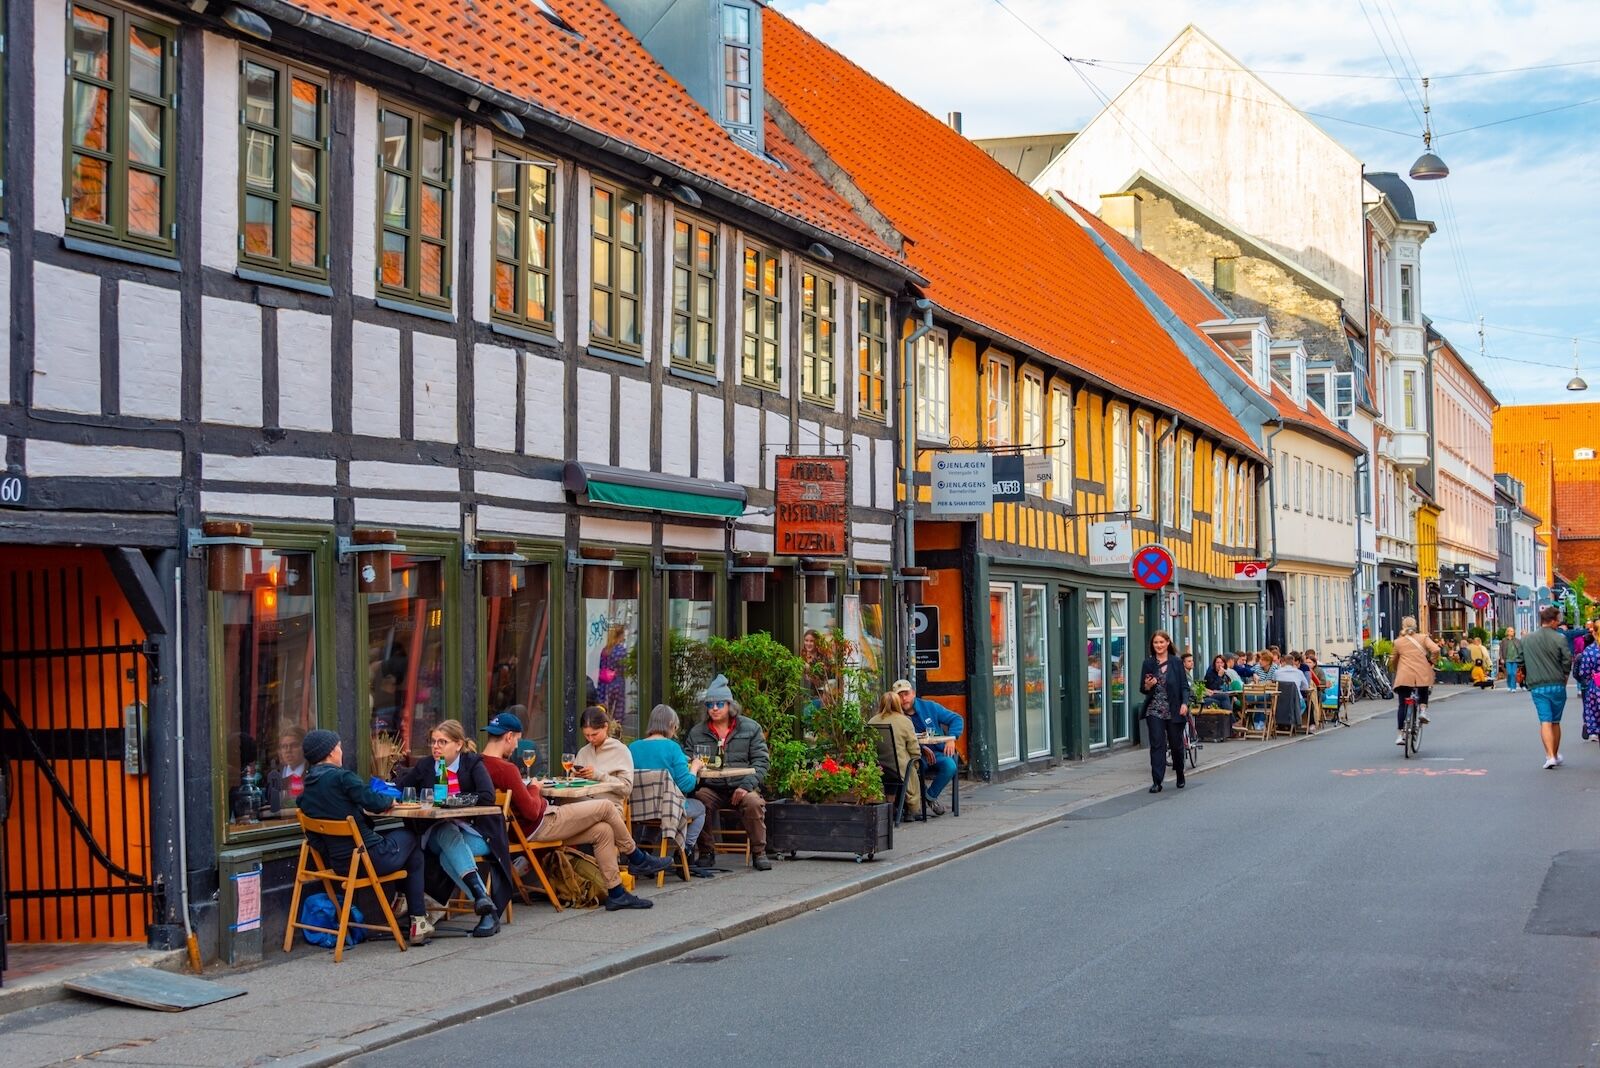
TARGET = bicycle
x,y
1191,744
1412,731
1368,678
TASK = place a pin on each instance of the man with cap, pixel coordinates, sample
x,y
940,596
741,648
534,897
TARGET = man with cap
x,y
740,744
594,823
330,792
932,717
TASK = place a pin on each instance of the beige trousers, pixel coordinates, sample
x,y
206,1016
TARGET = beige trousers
x,y
596,822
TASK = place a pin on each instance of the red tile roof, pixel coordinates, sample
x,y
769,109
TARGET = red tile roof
x,y
1577,504
1179,294
994,251
603,80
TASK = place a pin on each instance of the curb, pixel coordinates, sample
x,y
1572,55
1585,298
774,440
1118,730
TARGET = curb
x,y
665,947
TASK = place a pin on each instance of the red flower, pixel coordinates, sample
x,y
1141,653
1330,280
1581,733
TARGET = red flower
x,y
830,765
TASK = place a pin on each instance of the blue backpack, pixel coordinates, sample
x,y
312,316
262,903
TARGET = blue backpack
x,y
319,910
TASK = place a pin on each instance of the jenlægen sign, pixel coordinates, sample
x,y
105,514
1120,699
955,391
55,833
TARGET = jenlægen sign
x,y
968,482
812,516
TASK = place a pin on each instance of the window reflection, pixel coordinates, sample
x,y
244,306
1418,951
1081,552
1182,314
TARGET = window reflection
x,y
1118,637
405,661
1095,623
518,655
611,614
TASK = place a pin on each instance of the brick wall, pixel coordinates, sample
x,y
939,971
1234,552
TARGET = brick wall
x,y
1579,556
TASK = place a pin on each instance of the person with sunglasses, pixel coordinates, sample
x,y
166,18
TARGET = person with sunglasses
x,y
739,743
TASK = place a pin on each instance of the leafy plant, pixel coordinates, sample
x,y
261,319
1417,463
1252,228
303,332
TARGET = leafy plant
x,y
1480,633
1382,648
1197,690
690,665
767,679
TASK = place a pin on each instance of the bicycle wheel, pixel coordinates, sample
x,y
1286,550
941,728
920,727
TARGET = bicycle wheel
x,y
1194,752
1414,739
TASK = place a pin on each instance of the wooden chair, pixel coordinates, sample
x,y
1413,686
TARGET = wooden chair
x,y
1257,700
519,845
649,784
731,838
899,780
360,875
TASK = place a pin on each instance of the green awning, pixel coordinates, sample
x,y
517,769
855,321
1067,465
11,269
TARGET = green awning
x,y
662,500
650,491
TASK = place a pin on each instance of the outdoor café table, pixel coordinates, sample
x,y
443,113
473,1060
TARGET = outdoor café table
x,y
441,812
724,774
558,790
934,739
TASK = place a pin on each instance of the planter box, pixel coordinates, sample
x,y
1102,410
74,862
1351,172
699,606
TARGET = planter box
x,y
797,827
1214,726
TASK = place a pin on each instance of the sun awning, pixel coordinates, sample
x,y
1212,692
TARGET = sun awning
x,y
651,491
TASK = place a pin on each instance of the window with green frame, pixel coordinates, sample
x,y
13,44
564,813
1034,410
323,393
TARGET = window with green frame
x,y
762,312
524,220
283,171
694,295
121,71
616,267
412,667
816,336
872,344
414,184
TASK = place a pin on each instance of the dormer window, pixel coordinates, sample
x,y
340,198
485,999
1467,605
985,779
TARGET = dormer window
x,y
741,73
1247,343
1289,369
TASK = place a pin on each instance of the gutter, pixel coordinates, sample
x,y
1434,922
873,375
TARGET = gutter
x,y
362,41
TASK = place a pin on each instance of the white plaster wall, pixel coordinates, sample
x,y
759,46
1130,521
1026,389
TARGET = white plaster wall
x,y
614,530
267,471
747,446
1219,135
219,180
518,487
705,538
870,550
675,430
752,541
496,520
267,505
364,211
49,116
433,368
810,437
861,471
47,458
712,453
634,417
375,376
773,443
66,324
1304,535
441,515
494,375
545,388
150,357
5,326
594,416
883,468
381,474
305,370
230,362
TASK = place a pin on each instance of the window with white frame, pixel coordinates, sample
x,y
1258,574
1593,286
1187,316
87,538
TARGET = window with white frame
x,y
1061,445
998,389
1186,483
1169,480
933,386
1230,511
1033,419
1293,488
1408,399
1121,461
1144,479
1218,496
1407,294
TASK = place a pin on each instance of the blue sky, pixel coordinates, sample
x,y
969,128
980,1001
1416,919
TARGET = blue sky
x,y
1519,216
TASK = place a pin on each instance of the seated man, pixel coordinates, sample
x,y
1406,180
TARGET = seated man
x,y
594,823
741,744
931,716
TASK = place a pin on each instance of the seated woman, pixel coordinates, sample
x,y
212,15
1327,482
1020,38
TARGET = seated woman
x,y
457,844
902,751
659,750
332,793
1217,683
604,759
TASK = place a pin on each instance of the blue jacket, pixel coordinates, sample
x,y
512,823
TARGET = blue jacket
x,y
664,754
926,713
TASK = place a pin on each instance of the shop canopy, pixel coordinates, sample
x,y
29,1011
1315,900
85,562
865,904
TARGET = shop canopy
x,y
651,491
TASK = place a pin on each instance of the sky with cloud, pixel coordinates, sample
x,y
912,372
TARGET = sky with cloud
x,y
1519,216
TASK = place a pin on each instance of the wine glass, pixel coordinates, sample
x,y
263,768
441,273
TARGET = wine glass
x,y
568,762
530,757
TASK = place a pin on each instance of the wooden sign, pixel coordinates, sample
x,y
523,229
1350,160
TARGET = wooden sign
x,y
813,508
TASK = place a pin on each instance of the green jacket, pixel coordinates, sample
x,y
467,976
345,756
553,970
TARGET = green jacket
x,y
1546,657
1510,651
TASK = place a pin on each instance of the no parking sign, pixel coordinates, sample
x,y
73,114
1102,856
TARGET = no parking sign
x,y
1152,567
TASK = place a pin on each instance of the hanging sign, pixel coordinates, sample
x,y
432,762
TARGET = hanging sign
x,y
813,512
1249,569
1111,544
1009,477
1152,567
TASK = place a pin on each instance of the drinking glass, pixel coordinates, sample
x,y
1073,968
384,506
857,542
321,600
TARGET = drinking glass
x,y
568,762
425,798
530,757
408,796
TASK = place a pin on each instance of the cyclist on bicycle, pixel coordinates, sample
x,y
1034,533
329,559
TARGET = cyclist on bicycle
x,y
1412,664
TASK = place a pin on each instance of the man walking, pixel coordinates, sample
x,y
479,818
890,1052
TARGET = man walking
x,y
1510,657
1546,661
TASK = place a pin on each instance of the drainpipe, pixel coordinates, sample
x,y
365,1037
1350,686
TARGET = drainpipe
x,y
1272,514
908,435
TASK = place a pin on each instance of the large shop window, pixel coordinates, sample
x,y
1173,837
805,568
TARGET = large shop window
x,y
819,612
406,661
691,605
1034,641
1121,724
517,660
1094,619
267,685
1003,672
863,628
612,625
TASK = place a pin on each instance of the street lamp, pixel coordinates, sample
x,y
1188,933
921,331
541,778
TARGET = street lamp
x,y
1428,167
1577,385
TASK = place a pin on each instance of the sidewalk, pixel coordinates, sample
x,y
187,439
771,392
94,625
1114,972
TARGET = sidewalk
x,y
313,1012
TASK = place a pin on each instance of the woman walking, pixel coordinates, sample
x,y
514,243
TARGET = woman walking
x,y
1586,670
1166,707
1414,654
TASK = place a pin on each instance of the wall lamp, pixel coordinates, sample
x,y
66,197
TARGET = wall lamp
x,y
225,542
494,557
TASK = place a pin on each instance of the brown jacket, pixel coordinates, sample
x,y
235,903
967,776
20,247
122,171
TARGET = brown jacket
x,y
1416,654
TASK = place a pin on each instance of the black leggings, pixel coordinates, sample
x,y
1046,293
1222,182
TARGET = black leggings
x,y
1401,693
1166,735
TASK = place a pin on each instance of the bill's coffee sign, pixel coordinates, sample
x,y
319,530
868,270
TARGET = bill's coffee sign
x,y
813,513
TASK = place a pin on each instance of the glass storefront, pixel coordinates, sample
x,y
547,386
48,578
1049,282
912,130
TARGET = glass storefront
x,y
517,657
863,628
1117,640
612,624
1094,612
1034,643
1003,672
405,661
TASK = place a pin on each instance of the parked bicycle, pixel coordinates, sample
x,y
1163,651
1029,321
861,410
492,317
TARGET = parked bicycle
x,y
1191,743
1368,677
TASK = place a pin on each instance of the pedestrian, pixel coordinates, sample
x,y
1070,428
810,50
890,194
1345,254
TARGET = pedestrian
x,y
1412,665
1166,706
1510,657
1546,660
1586,670
930,717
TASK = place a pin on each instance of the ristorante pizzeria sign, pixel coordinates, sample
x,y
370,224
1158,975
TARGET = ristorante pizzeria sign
x,y
813,510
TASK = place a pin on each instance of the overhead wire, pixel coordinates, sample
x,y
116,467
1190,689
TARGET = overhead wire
x,y
1352,75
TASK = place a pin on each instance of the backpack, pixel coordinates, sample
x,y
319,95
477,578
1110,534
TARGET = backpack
x,y
320,911
575,877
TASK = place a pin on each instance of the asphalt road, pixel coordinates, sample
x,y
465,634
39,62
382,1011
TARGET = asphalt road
x,y
1328,903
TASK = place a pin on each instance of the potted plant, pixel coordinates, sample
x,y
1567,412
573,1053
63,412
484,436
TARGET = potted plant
x,y
1213,723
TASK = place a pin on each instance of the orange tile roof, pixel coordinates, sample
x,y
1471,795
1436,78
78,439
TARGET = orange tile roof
x,y
605,81
1577,503
994,251
1564,427
1179,293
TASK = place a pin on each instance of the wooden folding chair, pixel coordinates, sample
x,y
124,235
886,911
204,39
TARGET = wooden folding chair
x,y
360,875
521,846
643,781
1256,701
731,837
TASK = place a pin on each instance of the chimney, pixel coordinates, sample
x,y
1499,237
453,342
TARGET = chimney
x,y
953,120
1123,213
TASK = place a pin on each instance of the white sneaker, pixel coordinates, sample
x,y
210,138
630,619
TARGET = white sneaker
x,y
1550,762
1422,714
1560,760
1401,740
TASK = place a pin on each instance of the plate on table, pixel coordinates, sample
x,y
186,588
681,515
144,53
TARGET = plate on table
x,y
557,784
458,801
